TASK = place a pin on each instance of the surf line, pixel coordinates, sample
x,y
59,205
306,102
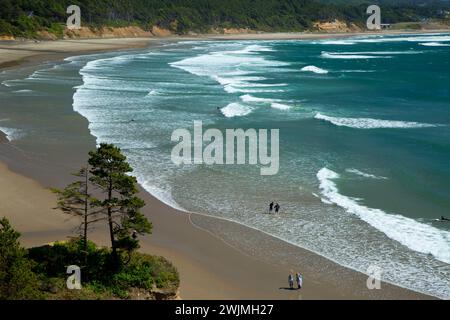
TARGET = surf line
x,y
229,148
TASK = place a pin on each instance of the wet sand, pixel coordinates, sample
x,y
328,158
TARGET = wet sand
x,y
216,259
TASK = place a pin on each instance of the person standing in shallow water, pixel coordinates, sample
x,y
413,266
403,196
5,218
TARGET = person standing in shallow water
x,y
271,207
299,279
277,208
291,281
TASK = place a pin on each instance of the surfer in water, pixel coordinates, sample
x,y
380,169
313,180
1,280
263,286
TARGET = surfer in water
x,y
444,219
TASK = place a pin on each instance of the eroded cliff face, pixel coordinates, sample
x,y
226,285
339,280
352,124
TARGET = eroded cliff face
x,y
6,38
106,32
336,26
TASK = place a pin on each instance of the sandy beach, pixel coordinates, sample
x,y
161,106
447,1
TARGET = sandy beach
x,y
13,53
211,263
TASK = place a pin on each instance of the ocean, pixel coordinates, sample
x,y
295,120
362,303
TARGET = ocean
x,y
364,138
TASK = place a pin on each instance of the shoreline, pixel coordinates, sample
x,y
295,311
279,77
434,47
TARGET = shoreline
x,y
192,242
16,53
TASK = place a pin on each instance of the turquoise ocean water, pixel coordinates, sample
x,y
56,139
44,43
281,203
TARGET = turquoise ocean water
x,y
364,139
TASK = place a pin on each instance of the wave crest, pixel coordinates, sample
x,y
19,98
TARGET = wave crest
x,y
314,69
417,236
368,123
235,110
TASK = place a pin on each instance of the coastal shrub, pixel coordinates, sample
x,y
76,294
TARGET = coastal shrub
x,y
57,29
17,279
99,280
53,260
7,29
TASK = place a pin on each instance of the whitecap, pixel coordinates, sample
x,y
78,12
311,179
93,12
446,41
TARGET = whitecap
x,y
314,69
365,174
336,42
434,44
368,123
417,236
419,38
252,99
235,110
153,93
23,91
280,106
376,53
232,69
330,55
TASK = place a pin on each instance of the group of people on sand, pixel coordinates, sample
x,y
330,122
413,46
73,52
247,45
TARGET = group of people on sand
x,y
274,207
298,279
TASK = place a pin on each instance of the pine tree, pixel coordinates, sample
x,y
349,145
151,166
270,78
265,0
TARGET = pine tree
x,y
120,203
76,200
17,279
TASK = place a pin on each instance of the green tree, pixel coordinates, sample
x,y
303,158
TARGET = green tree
x,y
76,200
17,280
120,203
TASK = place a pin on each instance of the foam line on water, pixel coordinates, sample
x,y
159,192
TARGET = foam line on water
x,y
280,106
314,69
368,123
434,44
335,55
416,236
365,174
234,69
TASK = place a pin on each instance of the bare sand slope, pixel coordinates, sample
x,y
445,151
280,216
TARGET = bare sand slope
x,y
13,53
29,206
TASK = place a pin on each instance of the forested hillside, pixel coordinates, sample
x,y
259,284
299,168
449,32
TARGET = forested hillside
x,y
26,17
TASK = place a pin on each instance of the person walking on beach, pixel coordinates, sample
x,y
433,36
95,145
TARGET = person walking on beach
x,y
291,281
271,207
277,208
299,279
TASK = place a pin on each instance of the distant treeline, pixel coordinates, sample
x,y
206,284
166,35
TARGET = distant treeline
x,y
26,17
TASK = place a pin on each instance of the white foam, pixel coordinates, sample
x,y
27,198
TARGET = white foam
x,y
23,91
368,123
280,106
376,53
250,98
336,42
11,133
9,83
417,236
314,69
246,89
251,49
365,174
330,55
434,44
357,71
235,110
420,38
165,196
232,68
153,93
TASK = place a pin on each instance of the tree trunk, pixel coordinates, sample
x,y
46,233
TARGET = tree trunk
x,y
111,227
86,209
